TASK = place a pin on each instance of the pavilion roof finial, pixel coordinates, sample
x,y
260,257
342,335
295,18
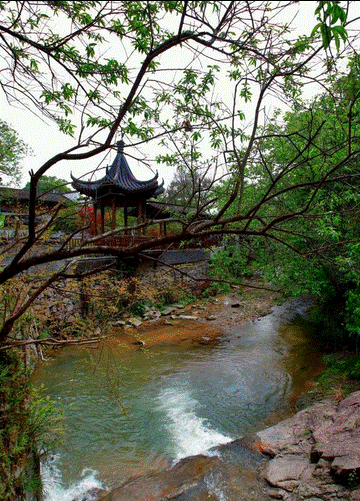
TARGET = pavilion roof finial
x,y
120,145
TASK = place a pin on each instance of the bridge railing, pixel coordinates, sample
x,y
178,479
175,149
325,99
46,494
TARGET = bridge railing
x,y
129,240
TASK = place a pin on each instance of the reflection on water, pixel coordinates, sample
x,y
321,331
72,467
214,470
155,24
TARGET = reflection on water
x,y
129,413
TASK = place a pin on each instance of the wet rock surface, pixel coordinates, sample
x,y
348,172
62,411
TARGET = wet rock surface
x,y
199,478
315,455
168,484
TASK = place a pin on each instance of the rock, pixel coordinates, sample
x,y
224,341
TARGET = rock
x,y
139,342
345,467
352,400
316,453
168,484
167,312
285,471
135,322
152,315
154,320
336,449
273,440
235,305
274,494
91,494
211,317
119,323
188,317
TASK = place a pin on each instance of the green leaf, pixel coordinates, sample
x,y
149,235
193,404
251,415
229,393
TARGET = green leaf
x,y
326,35
341,31
316,29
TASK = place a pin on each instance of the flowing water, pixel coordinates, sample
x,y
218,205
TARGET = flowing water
x,y
127,413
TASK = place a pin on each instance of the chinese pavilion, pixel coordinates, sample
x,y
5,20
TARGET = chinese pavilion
x,y
120,188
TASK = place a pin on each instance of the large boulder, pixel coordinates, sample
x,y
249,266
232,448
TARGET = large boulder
x,y
316,453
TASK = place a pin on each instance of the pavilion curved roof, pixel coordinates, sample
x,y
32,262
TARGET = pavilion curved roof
x,y
119,182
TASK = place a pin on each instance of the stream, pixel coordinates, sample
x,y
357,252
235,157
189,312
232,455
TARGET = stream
x,y
128,413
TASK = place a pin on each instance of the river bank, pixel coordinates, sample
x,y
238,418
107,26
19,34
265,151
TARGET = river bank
x,y
200,323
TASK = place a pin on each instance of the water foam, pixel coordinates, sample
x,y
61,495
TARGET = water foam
x,y
216,485
190,434
54,490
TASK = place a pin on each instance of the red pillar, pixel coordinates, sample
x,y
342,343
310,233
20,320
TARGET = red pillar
x,y
139,217
95,219
102,208
113,218
144,216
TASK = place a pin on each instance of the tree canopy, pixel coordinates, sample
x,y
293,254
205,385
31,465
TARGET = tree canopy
x,y
12,151
188,188
51,184
310,202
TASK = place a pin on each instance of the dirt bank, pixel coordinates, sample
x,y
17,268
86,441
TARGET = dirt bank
x,y
202,323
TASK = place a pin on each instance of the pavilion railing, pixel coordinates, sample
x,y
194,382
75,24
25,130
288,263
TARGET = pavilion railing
x,y
129,240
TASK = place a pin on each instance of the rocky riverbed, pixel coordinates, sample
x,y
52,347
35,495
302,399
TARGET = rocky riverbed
x,y
198,323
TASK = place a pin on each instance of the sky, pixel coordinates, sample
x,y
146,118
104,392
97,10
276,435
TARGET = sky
x,y
45,140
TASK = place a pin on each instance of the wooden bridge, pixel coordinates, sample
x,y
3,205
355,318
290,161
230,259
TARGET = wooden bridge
x,y
173,254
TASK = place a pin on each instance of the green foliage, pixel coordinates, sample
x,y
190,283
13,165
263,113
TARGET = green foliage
x,y
230,262
215,288
12,151
187,188
26,423
51,184
353,479
67,219
328,14
316,249
46,421
184,298
137,308
228,265
165,298
327,318
342,374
